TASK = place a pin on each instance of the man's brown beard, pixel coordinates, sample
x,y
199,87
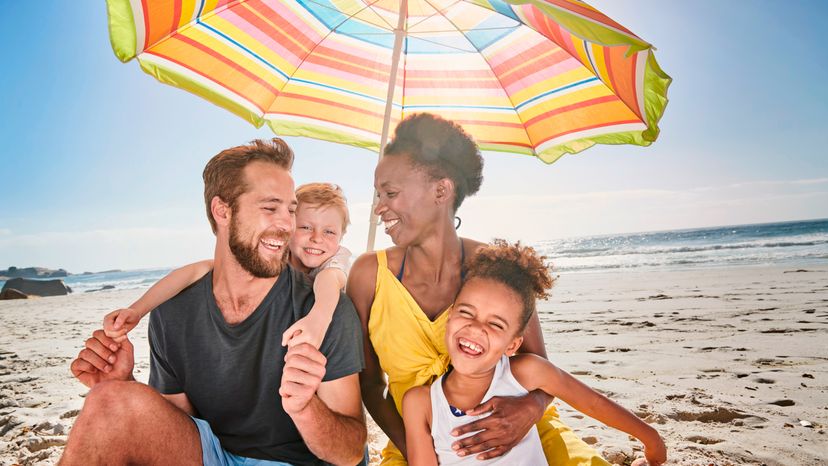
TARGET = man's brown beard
x,y
248,255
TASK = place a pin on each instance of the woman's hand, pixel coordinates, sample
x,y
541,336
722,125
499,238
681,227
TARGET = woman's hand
x,y
509,421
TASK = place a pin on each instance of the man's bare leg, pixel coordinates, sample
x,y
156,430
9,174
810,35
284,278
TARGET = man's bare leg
x,y
130,423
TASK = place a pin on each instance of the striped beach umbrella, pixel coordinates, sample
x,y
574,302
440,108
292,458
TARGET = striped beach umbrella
x,y
533,77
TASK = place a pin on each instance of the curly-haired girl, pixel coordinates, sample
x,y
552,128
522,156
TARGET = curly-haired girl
x,y
484,330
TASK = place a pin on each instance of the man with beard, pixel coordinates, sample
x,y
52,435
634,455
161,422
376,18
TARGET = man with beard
x,y
224,390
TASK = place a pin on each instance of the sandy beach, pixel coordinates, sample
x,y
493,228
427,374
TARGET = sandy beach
x,y
730,364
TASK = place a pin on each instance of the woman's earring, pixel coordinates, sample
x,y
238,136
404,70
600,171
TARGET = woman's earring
x,y
457,222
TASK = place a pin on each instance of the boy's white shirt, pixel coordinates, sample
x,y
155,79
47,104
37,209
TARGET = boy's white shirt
x,y
340,260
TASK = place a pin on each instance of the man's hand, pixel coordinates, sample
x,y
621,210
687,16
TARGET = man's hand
x,y
509,421
303,372
119,322
102,359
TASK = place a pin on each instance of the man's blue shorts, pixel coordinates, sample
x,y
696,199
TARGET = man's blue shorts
x,y
213,454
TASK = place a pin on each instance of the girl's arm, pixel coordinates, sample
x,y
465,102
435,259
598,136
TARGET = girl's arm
x,y
118,323
534,372
417,417
312,328
362,282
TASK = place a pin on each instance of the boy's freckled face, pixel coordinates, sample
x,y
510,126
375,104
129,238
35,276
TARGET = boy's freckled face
x,y
317,235
483,325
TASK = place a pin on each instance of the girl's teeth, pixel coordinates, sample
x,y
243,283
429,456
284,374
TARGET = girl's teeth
x,y
471,345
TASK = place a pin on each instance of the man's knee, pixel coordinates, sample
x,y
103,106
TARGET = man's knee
x,y
118,400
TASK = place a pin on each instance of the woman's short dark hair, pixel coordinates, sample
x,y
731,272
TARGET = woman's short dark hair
x,y
443,149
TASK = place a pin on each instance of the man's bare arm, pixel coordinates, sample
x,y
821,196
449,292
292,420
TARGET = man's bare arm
x,y
180,401
328,415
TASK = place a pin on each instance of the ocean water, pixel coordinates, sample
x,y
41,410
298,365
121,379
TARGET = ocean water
x,y
122,280
797,244
800,244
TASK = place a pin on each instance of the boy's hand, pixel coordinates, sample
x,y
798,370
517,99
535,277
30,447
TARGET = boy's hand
x,y
118,323
309,329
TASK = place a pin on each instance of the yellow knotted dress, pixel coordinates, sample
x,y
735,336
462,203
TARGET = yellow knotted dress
x,y
412,351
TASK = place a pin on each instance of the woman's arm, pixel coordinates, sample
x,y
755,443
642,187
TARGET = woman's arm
x,y
417,416
362,282
534,372
118,323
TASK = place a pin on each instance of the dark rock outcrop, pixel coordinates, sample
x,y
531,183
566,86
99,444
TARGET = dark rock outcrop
x,y
33,272
37,287
105,287
11,293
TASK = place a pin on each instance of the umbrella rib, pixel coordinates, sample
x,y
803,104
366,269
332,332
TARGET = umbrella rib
x,y
310,52
479,52
436,12
371,7
404,65
368,6
440,31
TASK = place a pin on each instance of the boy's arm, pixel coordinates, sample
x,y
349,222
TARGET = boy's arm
x,y
117,323
171,285
535,372
417,418
312,328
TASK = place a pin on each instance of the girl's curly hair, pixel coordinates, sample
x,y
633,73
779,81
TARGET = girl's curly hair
x,y
518,267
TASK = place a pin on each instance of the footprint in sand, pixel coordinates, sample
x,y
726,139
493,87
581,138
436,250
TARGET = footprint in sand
x,y
717,415
700,439
783,402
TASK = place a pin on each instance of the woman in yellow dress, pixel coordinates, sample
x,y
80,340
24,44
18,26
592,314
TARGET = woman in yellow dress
x,y
402,295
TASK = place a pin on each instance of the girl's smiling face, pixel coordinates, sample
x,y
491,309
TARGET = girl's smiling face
x,y
483,325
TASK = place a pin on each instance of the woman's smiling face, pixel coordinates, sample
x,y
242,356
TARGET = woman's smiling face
x,y
406,201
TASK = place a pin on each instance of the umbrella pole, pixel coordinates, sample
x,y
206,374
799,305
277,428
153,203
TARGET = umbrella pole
x,y
399,35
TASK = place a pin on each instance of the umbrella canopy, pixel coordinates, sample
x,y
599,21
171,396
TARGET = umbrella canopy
x,y
535,77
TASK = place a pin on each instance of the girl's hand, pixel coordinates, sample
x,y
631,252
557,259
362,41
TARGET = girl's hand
x,y
655,451
509,421
309,329
118,323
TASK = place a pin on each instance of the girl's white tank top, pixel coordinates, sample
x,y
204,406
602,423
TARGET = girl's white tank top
x,y
529,452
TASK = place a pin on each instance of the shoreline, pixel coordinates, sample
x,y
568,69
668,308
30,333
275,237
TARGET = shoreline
x,y
702,354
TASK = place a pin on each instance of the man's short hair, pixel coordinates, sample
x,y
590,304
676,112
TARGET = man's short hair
x,y
224,173
325,195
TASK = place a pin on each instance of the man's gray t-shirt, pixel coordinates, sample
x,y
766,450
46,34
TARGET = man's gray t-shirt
x,y
231,373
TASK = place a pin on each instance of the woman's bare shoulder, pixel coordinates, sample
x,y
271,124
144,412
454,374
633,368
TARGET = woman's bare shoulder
x,y
471,246
394,255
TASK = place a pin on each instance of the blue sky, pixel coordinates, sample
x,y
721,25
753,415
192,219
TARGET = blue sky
x,y
101,163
